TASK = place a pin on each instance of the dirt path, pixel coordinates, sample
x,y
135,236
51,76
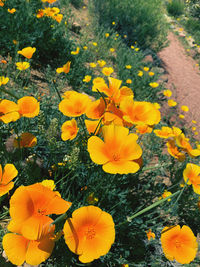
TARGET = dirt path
x,y
183,79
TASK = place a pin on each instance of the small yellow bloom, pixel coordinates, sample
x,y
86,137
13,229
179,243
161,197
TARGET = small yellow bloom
x,y
137,49
112,50
194,122
167,93
65,68
101,63
15,42
146,69
172,103
11,11
94,44
132,47
117,35
125,36
196,133
27,52
166,194
93,65
140,73
151,73
3,80
128,67
75,52
154,84
107,71
113,23
129,81
181,116
91,199
87,78
185,108
193,128
107,35
22,65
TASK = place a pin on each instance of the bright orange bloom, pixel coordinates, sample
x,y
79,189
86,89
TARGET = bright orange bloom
x,y
1,3
8,111
30,207
118,152
69,130
27,52
11,11
96,109
166,194
164,132
6,176
92,126
25,140
22,65
3,80
179,244
40,13
28,106
192,174
87,78
101,63
75,52
89,233
150,235
3,61
136,112
58,17
75,105
65,68
172,103
174,152
143,128
19,249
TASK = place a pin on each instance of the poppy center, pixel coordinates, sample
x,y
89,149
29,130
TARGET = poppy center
x,y
116,157
177,243
90,233
41,211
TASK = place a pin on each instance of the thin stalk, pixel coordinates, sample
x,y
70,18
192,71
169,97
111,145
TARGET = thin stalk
x,y
155,167
58,93
9,93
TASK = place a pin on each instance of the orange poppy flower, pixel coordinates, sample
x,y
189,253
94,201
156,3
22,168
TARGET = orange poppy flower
x,y
40,13
164,132
29,207
19,249
143,128
96,109
179,244
8,111
167,93
69,130
92,126
150,235
65,68
27,52
28,106
118,152
171,103
11,11
76,51
107,71
89,233
6,176
75,105
25,140
136,112
58,17
192,174
174,152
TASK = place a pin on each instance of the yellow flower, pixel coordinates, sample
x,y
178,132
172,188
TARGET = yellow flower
x,y
101,63
85,47
91,199
22,65
167,194
185,108
191,175
11,11
128,67
75,52
113,23
140,73
6,176
27,52
146,69
172,103
94,44
69,130
117,35
132,47
125,36
154,84
107,35
150,235
181,116
151,73
28,106
194,122
15,42
167,93
93,65
87,78
3,80
49,183
137,49
193,128
112,50
107,71
129,81
8,111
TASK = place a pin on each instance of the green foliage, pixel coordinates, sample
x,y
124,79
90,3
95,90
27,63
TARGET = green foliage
x,y
77,3
142,21
175,7
192,26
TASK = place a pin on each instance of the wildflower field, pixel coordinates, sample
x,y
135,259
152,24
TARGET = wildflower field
x,y
97,167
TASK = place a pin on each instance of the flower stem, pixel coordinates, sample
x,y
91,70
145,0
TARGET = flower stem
x,y
9,93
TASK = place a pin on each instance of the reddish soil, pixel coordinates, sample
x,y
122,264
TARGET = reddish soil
x,y
183,79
